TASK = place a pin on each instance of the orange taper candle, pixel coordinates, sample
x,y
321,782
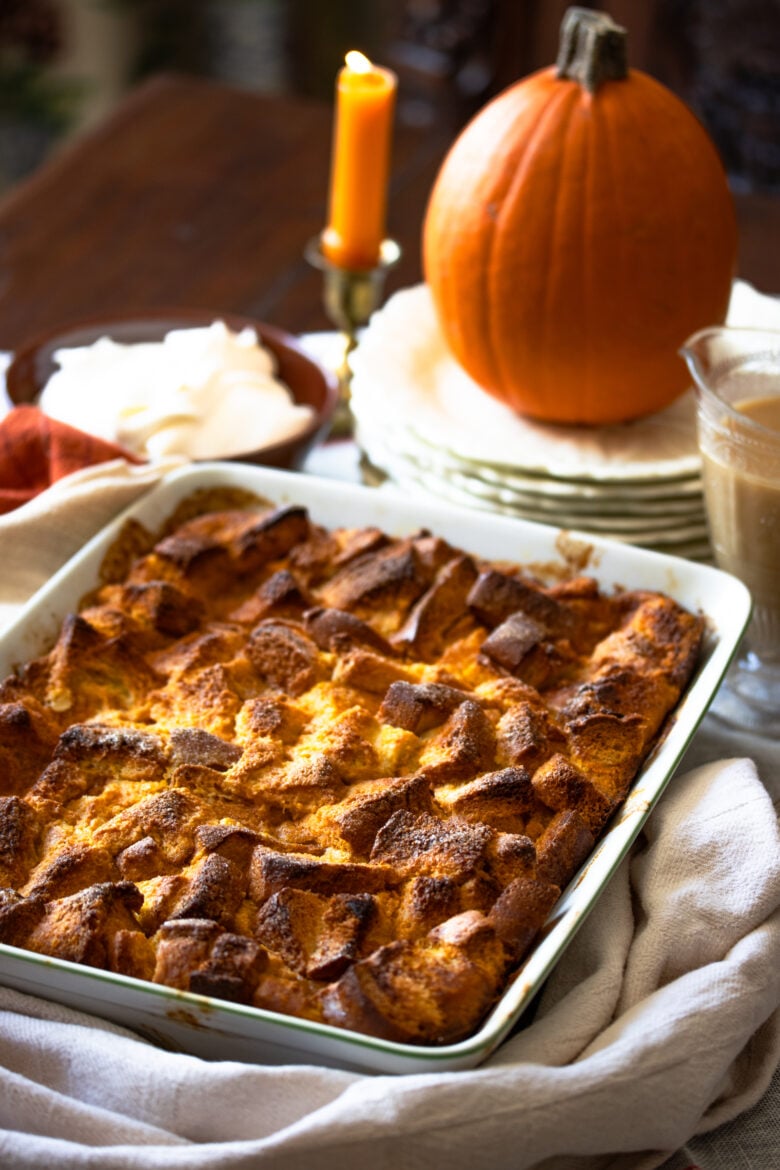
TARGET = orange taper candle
x,y
360,167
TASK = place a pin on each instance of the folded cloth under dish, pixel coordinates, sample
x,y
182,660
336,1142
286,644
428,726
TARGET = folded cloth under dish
x,y
39,535
36,451
660,1021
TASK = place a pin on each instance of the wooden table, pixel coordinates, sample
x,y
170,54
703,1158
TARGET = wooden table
x,y
193,193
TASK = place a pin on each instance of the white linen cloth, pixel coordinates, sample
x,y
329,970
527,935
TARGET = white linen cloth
x,y
37,538
661,1021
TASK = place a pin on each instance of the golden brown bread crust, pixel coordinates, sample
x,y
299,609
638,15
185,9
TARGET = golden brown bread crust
x,y
329,773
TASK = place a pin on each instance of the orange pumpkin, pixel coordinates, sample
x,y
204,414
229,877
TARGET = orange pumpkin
x,y
579,230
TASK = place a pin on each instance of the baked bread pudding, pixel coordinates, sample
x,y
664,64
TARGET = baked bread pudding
x,y
334,774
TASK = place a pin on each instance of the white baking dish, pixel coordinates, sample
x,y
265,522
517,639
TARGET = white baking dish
x,y
220,1030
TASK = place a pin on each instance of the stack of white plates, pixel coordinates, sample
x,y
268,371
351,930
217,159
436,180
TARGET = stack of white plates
x,y
424,425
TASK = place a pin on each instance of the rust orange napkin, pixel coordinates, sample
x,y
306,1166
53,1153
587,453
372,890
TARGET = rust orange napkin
x,y
36,450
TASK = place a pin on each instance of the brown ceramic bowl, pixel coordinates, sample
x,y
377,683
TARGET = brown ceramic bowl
x,y
33,364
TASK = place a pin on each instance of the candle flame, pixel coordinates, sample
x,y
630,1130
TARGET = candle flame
x,y
358,62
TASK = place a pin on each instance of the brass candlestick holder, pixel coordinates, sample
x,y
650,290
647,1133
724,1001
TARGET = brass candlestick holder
x,y
350,296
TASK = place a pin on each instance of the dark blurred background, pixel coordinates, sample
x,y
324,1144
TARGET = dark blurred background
x,y
64,64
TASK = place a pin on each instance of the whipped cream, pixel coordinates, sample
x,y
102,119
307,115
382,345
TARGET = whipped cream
x,y
205,393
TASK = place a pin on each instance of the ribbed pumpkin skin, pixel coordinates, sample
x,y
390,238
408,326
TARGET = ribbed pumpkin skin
x,y
572,243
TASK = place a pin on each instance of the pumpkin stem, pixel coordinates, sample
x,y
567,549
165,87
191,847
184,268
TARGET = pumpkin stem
x,y
592,48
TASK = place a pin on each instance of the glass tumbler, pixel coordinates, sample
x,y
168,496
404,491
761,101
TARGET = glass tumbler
x,y
737,381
